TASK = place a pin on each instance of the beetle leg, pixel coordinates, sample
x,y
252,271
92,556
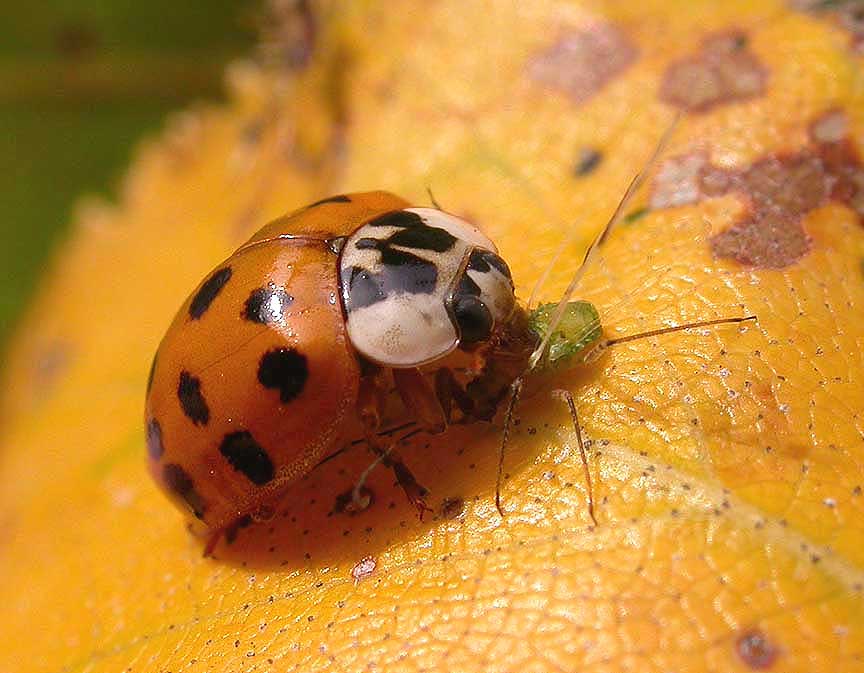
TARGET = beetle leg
x,y
212,541
448,390
229,532
420,399
371,398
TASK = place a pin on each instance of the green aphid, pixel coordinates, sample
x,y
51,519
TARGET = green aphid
x,y
575,337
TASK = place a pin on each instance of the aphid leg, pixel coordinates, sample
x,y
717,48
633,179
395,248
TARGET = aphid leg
x,y
568,398
515,392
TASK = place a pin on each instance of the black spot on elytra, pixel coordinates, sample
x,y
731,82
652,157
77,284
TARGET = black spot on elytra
x,y
285,370
369,244
483,260
208,292
155,448
340,198
150,375
587,161
397,218
246,455
178,481
267,305
193,402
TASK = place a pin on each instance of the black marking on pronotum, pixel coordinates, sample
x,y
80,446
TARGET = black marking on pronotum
x,y
398,218
155,448
410,273
340,198
483,260
285,370
192,400
587,161
246,455
423,238
208,292
178,481
402,273
364,289
369,244
267,305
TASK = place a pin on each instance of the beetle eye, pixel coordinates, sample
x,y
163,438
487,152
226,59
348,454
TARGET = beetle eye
x,y
473,318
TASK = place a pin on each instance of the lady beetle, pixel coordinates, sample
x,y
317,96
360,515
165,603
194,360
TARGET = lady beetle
x,y
288,348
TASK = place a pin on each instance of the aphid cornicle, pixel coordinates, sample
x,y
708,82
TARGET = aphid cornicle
x,y
288,349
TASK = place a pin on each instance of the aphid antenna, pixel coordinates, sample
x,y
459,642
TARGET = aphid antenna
x,y
637,181
516,387
432,198
608,343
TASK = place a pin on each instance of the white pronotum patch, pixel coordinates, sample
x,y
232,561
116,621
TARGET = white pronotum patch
x,y
396,282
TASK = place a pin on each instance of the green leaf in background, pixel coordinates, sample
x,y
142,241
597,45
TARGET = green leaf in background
x,y
80,82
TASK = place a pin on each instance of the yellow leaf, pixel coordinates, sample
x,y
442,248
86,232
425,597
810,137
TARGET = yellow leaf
x,y
726,463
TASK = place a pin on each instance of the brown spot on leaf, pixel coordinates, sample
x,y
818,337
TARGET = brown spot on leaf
x,y
363,569
581,62
780,190
678,181
755,650
831,127
848,14
724,71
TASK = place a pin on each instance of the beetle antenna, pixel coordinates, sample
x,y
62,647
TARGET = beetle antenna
x,y
432,198
632,188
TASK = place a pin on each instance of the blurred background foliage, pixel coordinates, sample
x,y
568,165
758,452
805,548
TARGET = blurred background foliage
x,y
81,81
